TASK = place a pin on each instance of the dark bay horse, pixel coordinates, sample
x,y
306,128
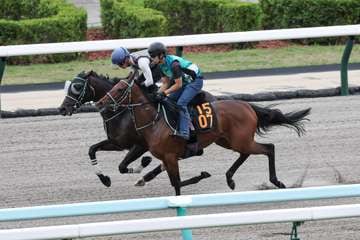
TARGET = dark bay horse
x,y
90,86
118,125
236,123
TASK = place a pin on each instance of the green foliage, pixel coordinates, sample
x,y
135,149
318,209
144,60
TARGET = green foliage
x,y
240,17
123,19
309,13
207,16
53,21
26,9
107,12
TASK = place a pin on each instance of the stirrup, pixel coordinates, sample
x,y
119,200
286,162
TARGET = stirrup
x,y
178,134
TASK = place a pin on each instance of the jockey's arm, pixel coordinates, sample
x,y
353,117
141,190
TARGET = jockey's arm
x,y
144,65
177,75
174,87
165,83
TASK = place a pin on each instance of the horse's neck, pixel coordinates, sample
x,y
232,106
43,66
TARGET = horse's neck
x,y
101,87
145,114
118,123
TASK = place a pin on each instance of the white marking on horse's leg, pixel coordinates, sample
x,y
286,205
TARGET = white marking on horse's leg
x,y
138,169
97,168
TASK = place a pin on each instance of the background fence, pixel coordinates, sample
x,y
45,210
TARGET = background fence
x,y
183,202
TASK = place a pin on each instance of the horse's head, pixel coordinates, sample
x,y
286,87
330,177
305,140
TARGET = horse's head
x,y
118,96
77,92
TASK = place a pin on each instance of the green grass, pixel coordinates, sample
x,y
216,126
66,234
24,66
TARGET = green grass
x,y
209,62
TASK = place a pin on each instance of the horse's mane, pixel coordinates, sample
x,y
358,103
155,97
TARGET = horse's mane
x,y
100,76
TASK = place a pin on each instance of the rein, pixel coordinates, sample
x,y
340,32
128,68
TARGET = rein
x,y
130,106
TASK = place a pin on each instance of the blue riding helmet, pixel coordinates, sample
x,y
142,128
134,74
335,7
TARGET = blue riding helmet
x,y
119,55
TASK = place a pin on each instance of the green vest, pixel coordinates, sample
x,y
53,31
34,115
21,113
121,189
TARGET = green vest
x,y
166,68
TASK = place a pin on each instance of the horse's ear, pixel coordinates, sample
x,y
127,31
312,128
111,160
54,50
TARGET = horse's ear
x,y
81,74
93,73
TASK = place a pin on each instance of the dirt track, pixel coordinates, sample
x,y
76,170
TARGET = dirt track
x,y
44,161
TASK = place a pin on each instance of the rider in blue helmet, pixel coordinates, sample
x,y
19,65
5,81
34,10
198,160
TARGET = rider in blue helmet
x,y
119,55
139,61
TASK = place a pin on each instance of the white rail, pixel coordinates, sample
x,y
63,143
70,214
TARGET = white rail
x,y
198,39
183,222
175,223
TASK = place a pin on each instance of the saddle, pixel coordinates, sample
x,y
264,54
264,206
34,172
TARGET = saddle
x,y
201,113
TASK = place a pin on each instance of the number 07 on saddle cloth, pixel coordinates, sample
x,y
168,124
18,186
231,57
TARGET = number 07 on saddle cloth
x,y
203,117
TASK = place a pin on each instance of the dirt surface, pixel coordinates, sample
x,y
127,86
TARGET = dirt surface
x,y
44,161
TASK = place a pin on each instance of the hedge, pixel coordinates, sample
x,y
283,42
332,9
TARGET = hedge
x,y
25,9
41,21
123,19
208,16
309,13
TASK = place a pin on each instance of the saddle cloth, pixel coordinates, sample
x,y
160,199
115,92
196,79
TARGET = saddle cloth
x,y
201,112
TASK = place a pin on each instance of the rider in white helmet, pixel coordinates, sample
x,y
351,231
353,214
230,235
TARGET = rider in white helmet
x,y
138,61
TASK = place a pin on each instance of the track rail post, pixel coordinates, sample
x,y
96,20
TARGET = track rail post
x,y
294,233
344,66
2,69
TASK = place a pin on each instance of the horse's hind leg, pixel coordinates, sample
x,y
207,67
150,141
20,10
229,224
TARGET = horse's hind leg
x,y
272,171
159,169
135,152
255,148
150,175
230,173
269,150
196,179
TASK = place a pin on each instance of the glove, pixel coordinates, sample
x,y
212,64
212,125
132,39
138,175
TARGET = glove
x,y
160,96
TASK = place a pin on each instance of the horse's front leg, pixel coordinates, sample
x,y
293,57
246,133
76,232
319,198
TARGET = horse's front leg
x,y
172,168
106,145
135,152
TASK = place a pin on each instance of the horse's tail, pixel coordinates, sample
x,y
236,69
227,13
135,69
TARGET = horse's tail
x,y
268,117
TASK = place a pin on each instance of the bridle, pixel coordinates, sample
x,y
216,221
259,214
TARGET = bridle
x,y
79,100
131,106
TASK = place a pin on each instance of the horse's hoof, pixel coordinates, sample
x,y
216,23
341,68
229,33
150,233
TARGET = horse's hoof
x,y
200,152
280,185
105,180
145,161
231,184
140,183
205,174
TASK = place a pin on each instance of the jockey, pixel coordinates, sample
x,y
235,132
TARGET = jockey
x,y
139,60
181,79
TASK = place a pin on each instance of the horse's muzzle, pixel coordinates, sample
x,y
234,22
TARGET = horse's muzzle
x,y
66,110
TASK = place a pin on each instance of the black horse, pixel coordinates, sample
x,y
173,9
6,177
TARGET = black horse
x,y
118,125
